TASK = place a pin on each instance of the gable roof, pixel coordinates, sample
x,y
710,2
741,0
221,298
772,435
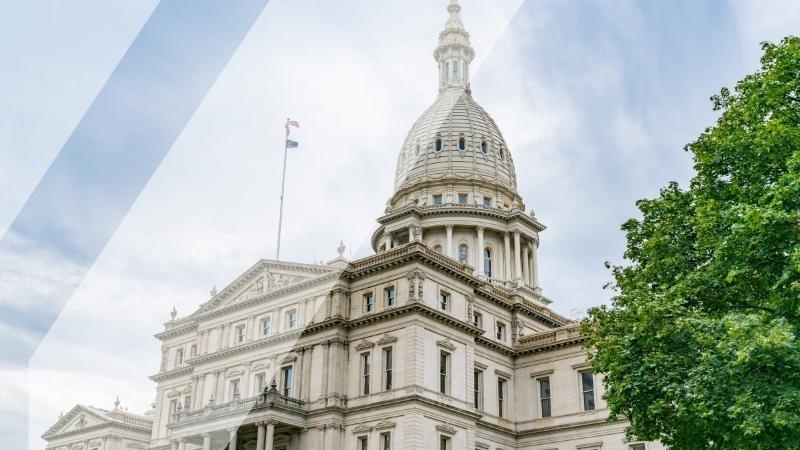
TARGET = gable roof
x,y
84,417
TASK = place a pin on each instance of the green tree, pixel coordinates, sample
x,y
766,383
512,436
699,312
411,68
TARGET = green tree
x,y
699,347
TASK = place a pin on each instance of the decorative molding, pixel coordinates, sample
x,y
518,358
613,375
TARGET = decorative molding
x,y
589,446
502,374
446,429
446,344
360,429
387,339
364,345
481,446
541,373
480,365
384,424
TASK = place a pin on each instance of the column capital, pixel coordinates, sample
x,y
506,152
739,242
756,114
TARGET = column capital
x,y
449,226
206,434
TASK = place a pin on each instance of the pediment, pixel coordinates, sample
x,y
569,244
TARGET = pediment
x,y
77,419
264,277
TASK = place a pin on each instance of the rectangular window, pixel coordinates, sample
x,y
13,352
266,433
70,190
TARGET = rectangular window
x,y
444,301
444,443
287,381
193,351
477,383
369,302
487,201
477,319
187,403
261,382
291,318
501,331
587,387
362,443
544,396
366,363
178,357
636,447
266,326
501,397
386,441
240,333
437,199
390,296
173,408
388,365
462,199
234,390
444,372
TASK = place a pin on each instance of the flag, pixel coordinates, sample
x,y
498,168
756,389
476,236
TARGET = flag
x,y
291,123
291,144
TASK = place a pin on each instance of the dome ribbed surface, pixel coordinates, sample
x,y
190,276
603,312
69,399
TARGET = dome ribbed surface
x,y
453,116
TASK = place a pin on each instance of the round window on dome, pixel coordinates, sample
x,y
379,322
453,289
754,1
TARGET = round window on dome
x,y
438,144
484,147
462,144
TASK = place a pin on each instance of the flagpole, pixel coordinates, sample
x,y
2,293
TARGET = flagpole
x,y
283,185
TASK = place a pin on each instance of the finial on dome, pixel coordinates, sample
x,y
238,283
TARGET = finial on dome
x,y
213,291
116,404
340,250
173,313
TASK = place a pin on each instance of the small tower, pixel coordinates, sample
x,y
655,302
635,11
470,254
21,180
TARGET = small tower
x,y
454,52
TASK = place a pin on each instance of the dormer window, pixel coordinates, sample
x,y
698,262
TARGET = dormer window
x,y
437,199
438,145
462,199
462,144
484,147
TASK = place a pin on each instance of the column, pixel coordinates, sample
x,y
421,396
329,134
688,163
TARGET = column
x,y
251,328
232,439
517,257
206,441
173,445
525,267
449,229
479,252
307,354
300,370
507,257
181,444
326,346
534,265
220,388
221,337
411,233
260,436
270,438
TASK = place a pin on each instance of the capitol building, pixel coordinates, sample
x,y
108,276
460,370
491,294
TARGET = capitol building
x,y
440,340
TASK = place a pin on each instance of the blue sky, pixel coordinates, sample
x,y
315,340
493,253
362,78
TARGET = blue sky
x,y
595,98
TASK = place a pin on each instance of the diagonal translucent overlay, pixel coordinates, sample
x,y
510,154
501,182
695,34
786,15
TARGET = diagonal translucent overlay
x,y
107,161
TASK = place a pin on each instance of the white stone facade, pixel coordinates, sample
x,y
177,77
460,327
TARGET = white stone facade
x,y
440,340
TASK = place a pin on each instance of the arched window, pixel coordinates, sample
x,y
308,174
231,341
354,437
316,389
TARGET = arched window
x,y
455,66
463,253
438,145
437,248
462,144
487,262
484,147
500,152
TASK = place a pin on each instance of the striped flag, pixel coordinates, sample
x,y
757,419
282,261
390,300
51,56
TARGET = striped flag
x,y
291,123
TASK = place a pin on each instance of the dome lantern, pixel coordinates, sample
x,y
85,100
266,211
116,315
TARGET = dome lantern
x,y
454,52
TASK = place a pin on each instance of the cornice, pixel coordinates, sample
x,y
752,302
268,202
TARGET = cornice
x,y
181,330
466,210
170,374
246,347
488,343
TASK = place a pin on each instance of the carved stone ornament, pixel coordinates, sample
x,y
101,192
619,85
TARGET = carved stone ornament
x,y
364,345
387,339
385,424
446,429
81,423
362,429
446,344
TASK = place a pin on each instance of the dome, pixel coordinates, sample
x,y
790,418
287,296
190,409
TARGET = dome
x,y
455,139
